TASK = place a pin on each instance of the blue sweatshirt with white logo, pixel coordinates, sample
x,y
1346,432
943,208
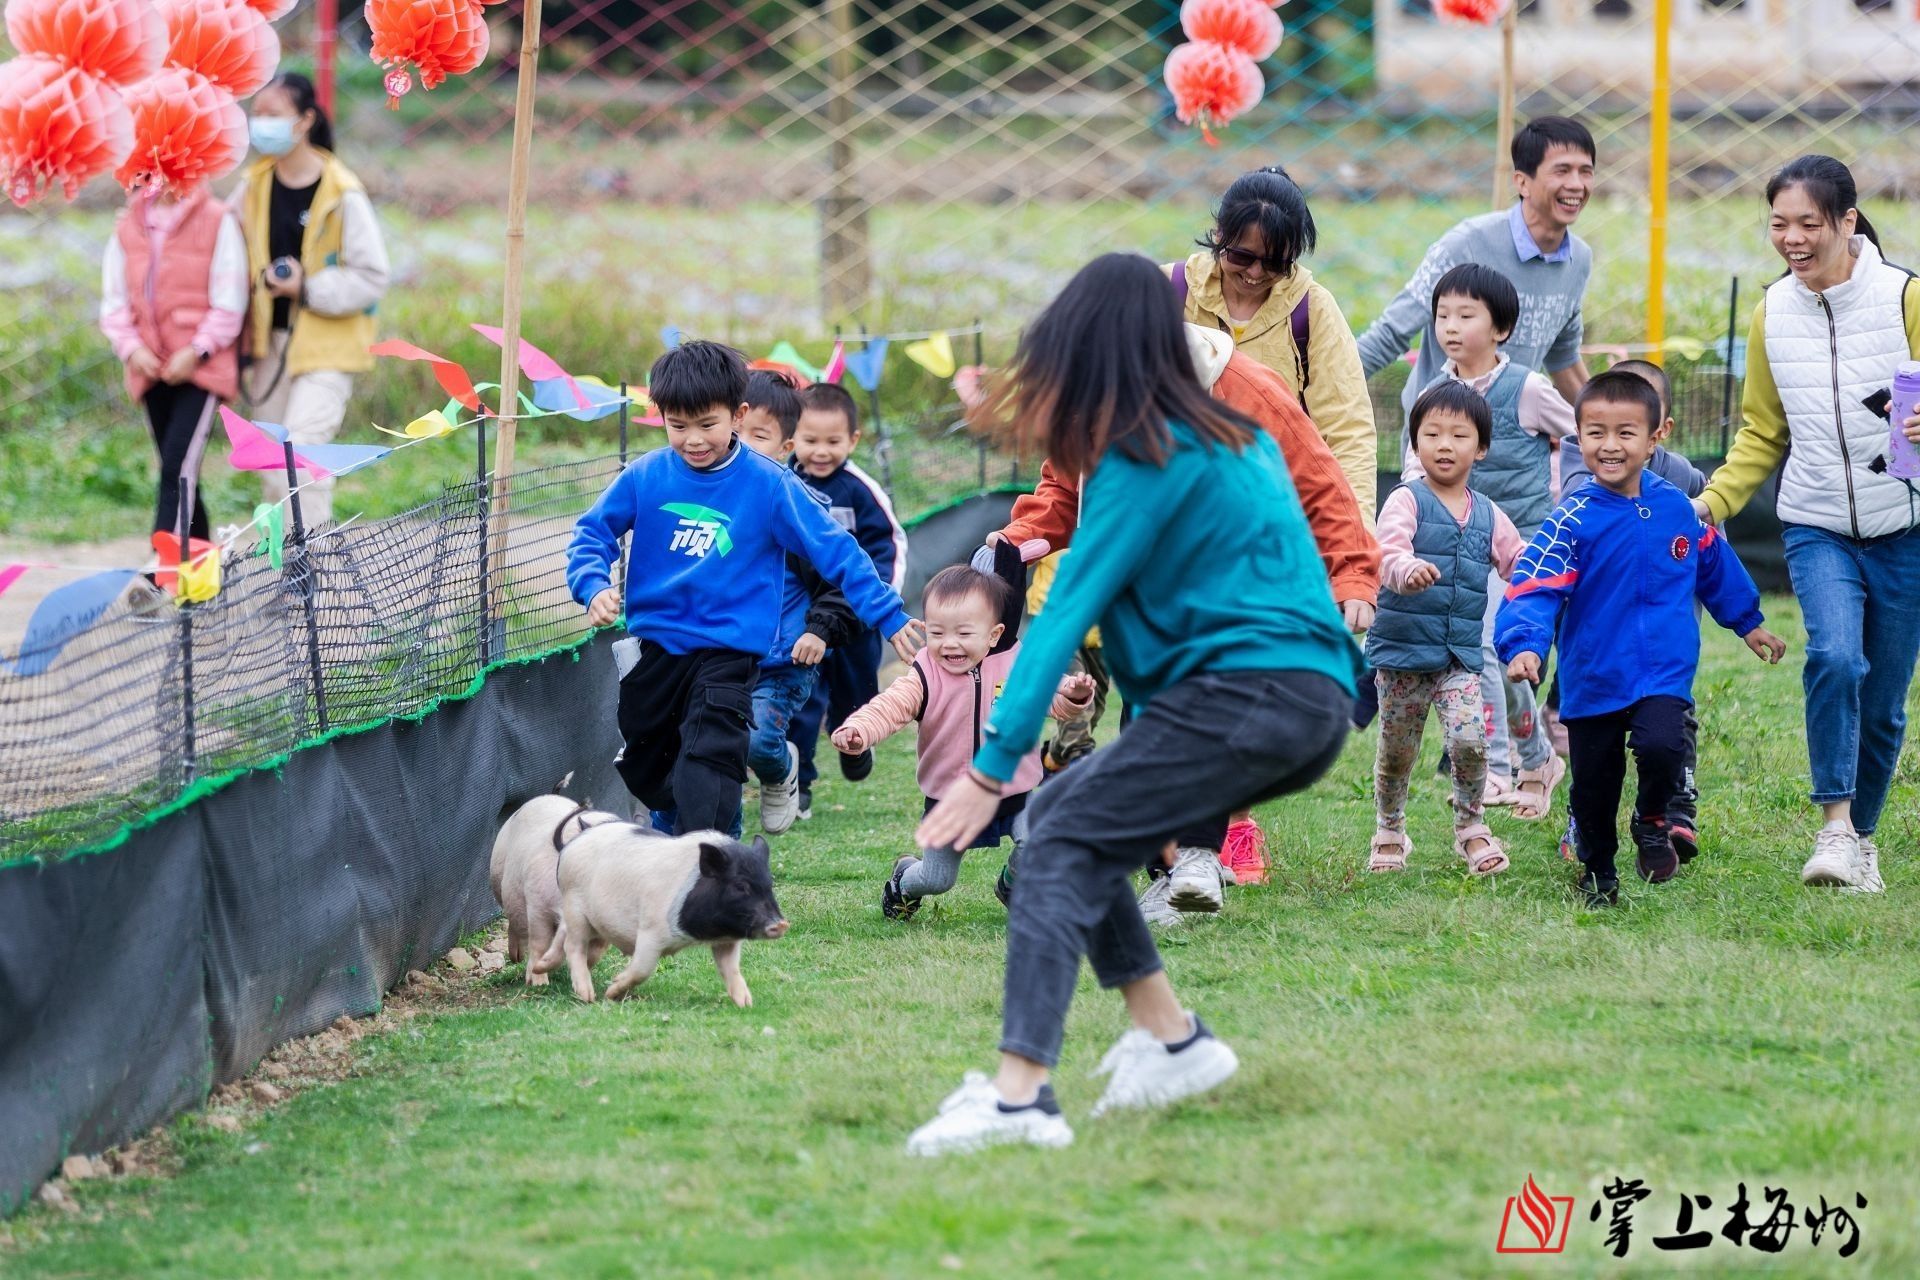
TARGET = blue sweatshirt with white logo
x,y
707,563
1619,576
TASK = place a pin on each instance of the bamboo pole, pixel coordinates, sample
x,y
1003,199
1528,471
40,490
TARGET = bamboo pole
x,y
844,279
503,443
1661,123
1503,145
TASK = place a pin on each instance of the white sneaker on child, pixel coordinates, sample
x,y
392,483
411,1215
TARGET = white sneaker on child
x,y
1870,881
1835,860
780,801
1194,882
973,1117
1147,1073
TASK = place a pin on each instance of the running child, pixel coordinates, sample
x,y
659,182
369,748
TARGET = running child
x,y
711,523
1441,542
1676,470
814,619
850,677
1618,566
973,627
1474,310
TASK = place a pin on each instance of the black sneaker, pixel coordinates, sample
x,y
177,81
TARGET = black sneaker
x,y
1686,840
856,768
806,805
895,905
1003,885
1655,857
1600,891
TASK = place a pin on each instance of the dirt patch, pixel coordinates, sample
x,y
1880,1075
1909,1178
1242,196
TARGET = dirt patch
x,y
291,1069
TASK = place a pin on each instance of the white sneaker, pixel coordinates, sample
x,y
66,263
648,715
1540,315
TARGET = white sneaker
x,y
1870,881
1154,905
973,1117
1194,882
780,801
1147,1073
1835,860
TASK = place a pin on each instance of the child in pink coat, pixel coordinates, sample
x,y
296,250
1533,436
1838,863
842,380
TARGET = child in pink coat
x,y
973,621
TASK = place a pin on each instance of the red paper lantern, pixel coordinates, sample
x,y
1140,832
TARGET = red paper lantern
x,y
224,40
59,126
187,130
120,41
437,38
271,10
1478,13
1247,25
1213,84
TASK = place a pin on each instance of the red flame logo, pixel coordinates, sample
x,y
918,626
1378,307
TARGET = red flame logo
x,y
1544,1217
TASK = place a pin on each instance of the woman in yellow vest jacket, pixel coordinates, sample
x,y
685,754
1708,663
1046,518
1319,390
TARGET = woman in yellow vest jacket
x,y
319,268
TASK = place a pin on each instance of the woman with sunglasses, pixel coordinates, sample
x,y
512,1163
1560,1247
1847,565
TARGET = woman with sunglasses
x,y
1248,281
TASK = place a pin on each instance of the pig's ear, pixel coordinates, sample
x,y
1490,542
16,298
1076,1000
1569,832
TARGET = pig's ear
x,y
713,861
760,849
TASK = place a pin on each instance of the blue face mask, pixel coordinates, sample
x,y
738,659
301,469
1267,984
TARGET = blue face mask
x,y
271,135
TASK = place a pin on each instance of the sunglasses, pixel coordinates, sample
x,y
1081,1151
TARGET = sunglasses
x,y
1241,260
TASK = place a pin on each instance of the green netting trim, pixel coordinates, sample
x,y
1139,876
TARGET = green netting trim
x,y
201,788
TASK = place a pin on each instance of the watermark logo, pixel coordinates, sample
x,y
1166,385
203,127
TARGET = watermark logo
x,y
1535,1222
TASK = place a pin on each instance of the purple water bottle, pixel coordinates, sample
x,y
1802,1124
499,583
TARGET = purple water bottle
x,y
1903,456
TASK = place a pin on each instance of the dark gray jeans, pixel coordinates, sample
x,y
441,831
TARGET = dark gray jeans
x,y
1210,745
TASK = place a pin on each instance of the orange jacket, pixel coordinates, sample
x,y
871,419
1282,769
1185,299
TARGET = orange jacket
x,y
1052,511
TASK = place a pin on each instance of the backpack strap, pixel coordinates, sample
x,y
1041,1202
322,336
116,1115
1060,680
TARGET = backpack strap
x,y
1298,322
1180,285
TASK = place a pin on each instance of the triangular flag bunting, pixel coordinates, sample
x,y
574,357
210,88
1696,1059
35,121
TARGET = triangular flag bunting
x,y
934,354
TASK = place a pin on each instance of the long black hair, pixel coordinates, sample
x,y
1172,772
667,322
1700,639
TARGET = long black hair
x,y
300,89
1829,184
1269,199
1106,365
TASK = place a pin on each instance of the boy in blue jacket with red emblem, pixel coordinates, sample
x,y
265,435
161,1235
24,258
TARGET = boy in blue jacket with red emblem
x,y
711,523
1617,567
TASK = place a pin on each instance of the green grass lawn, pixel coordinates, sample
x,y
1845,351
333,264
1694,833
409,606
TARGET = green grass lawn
x,y
1413,1047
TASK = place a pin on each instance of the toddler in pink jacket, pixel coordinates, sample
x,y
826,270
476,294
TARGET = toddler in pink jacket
x,y
973,622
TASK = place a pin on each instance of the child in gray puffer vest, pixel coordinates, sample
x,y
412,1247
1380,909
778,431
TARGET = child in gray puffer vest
x,y
1439,543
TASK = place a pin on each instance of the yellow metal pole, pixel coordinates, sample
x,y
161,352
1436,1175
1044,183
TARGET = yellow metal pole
x,y
1661,122
1503,130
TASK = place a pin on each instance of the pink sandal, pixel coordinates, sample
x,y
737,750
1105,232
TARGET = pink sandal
x,y
1492,857
1390,850
1531,806
1497,791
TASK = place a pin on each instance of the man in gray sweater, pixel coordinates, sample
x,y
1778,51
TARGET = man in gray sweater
x,y
1532,244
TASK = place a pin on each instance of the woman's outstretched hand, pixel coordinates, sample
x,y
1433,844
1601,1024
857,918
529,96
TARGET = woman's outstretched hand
x,y
962,814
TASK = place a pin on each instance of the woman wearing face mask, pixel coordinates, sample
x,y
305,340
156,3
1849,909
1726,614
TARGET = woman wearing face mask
x,y
319,269
1827,336
1247,280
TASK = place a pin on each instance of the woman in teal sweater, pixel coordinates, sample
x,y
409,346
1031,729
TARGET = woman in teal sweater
x,y
1195,559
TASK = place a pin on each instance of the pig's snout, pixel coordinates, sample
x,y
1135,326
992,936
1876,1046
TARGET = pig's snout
x,y
777,929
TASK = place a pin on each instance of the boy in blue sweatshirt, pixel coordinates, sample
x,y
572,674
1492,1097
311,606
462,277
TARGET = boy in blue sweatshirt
x,y
814,619
1617,566
850,677
711,523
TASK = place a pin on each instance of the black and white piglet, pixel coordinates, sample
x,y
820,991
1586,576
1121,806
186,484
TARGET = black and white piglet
x,y
651,896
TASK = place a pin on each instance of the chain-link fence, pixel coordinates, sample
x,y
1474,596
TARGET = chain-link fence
x,y
759,170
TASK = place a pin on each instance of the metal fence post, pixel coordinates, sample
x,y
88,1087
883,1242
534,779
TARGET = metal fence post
x,y
188,746
1726,388
308,591
485,499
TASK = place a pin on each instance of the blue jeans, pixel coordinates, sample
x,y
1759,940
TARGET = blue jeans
x,y
1861,599
777,699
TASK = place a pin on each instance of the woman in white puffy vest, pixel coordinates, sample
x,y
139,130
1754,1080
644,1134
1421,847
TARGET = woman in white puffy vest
x,y
1825,341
